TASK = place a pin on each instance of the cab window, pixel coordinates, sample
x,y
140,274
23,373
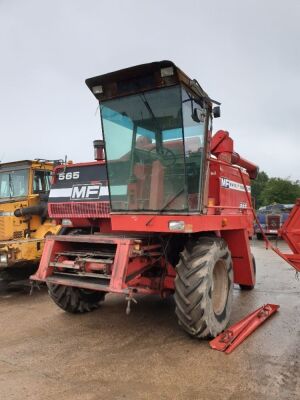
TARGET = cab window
x,y
14,183
41,181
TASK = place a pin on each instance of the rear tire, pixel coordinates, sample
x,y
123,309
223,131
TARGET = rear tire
x,y
204,287
75,300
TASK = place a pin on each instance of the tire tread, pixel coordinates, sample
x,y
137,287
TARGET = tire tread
x,y
193,285
75,300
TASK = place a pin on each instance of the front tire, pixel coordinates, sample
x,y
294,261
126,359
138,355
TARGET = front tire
x,y
75,300
204,287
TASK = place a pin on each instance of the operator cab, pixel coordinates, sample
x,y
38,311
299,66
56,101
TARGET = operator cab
x,y
155,126
20,179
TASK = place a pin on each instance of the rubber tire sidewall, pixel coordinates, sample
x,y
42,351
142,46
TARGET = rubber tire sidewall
x,y
216,323
194,308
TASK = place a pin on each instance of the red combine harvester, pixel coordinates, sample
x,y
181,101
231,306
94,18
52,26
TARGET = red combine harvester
x,y
181,213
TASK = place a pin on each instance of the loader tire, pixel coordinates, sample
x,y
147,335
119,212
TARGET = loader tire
x,y
204,287
250,287
75,300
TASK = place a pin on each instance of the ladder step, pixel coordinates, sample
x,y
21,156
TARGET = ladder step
x,y
85,254
84,275
81,282
95,260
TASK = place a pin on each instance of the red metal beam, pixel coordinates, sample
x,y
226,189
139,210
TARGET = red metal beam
x,y
228,340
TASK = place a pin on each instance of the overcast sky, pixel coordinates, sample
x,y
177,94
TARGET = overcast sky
x,y
244,53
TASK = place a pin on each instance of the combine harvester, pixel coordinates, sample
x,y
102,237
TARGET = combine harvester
x,y
181,212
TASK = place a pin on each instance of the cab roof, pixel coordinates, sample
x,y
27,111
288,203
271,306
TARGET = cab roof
x,y
27,163
140,78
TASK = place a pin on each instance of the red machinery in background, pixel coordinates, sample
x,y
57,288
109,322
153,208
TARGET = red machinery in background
x,y
181,212
290,232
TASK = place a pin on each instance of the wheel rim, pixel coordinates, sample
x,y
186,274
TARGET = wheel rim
x,y
219,287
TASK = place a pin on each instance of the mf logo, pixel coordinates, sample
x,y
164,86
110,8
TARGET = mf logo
x,y
225,183
85,192
228,184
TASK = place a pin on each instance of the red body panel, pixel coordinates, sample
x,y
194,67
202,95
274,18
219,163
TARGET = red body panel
x,y
131,257
193,224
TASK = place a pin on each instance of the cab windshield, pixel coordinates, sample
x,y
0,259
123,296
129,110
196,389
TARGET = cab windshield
x,y
14,184
154,150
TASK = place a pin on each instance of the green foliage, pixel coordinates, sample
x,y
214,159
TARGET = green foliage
x,y
267,190
257,187
279,190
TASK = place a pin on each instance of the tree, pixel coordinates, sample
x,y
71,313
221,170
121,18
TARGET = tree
x,y
278,190
267,190
257,187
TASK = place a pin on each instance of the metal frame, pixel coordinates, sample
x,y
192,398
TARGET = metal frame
x,y
133,256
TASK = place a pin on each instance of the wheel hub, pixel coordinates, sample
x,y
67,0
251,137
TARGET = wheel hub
x,y
219,287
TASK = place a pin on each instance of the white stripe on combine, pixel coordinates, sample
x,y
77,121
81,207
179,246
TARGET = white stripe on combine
x,y
65,192
103,191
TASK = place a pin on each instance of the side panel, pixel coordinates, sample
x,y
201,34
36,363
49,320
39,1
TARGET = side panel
x,y
12,227
227,193
227,189
239,246
51,246
232,190
192,223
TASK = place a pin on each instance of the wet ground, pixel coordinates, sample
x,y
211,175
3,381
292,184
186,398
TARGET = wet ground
x,y
48,354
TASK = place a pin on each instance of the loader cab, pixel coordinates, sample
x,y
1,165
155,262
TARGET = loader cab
x,y
21,179
155,126
23,184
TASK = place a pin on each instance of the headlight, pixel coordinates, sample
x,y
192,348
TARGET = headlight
x,y
167,71
66,222
97,89
3,259
176,225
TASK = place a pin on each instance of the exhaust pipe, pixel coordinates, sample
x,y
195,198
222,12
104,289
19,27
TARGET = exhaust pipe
x,y
99,150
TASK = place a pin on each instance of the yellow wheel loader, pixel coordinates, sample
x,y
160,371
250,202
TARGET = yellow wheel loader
x,y
24,222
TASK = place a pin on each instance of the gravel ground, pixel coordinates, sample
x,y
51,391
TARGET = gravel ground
x,y
48,354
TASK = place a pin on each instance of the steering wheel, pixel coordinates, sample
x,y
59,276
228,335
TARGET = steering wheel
x,y
165,156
